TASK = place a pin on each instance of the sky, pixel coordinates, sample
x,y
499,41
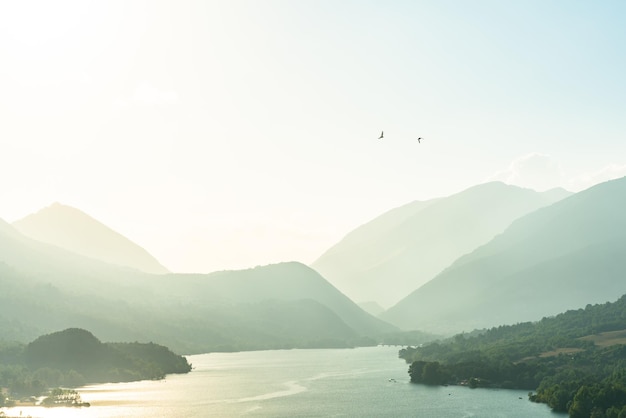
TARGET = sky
x,y
229,134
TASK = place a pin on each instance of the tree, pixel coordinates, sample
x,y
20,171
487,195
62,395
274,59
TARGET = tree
x,y
559,399
582,403
434,374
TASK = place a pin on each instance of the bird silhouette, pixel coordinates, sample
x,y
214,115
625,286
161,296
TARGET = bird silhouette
x,y
381,135
419,140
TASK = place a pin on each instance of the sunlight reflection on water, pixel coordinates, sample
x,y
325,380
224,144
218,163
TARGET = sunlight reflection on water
x,y
306,383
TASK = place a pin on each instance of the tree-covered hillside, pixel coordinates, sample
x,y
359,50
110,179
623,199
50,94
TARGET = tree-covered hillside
x,y
75,357
575,361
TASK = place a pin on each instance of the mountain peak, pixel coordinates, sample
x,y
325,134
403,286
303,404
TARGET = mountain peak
x,y
72,229
559,257
404,248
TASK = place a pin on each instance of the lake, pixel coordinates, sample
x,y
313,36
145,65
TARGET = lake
x,y
358,382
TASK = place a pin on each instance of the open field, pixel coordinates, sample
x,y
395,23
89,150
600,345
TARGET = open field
x,y
605,339
558,351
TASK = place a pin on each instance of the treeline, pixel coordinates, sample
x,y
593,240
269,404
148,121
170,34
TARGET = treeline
x,y
593,384
407,338
75,357
556,357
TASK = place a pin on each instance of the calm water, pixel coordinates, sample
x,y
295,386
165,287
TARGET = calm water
x,y
295,383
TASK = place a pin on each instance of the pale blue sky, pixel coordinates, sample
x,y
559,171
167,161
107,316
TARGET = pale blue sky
x,y
228,134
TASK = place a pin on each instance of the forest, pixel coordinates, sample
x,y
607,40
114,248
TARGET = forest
x,y
574,362
75,357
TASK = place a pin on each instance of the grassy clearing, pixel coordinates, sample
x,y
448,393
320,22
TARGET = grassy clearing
x,y
605,339
566,350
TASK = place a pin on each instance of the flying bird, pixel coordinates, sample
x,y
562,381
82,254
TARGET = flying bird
x,y
419,140
381,135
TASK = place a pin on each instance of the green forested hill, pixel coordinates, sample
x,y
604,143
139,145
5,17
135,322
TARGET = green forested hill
x,y
575,361
74,357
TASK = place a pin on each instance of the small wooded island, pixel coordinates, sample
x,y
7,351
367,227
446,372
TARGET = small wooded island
x,y
75,357
574,362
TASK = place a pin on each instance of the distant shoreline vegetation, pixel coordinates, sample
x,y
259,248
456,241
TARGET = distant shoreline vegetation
x,y
575,362
74,357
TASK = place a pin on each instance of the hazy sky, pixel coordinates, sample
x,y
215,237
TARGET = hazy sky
x,y
227,134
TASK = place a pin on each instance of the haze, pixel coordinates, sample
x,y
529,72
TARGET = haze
x,y
224,135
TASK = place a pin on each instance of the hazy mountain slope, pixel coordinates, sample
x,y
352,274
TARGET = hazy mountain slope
x,y
371,308
45,288
394,254
6,228
290,281
560,257
50,264
29,308
364,246
193,313
69,228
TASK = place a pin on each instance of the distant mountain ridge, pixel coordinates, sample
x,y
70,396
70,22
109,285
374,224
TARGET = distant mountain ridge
x,y
287,305
560,257
289,281
394,254
74,230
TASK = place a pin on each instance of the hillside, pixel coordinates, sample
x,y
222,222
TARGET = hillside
x,y
6,228
289,281
556,258
391,256
574,361
45,288
372,308
75,231
74,357
46,263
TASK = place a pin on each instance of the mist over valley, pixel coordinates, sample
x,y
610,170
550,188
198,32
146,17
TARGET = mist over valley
x,y
312,208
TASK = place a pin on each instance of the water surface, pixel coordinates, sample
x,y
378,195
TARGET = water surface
x,y
362,382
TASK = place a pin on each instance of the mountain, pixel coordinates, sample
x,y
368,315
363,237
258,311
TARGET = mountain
x,y
74,230
79,350
46,288
289,281
389,257
560,257
572,360
46,263
372,308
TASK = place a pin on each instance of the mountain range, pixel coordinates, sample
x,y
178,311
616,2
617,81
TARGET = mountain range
x,y
559,257
395,253
490,255
47,288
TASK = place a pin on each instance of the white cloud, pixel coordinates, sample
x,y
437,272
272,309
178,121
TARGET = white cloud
x,y
534,171
542,172
586,180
